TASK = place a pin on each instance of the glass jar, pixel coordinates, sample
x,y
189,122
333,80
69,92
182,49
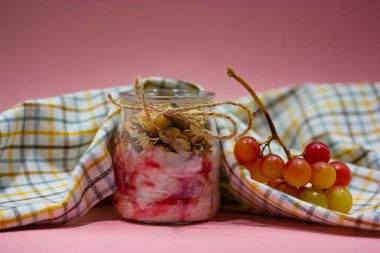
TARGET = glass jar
x,y
166,171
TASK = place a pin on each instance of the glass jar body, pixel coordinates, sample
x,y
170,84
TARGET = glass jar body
x,y
163,173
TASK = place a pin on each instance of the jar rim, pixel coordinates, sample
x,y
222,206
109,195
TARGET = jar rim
x,y
166,95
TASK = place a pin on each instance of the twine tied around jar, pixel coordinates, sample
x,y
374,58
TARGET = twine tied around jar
x,y
185,111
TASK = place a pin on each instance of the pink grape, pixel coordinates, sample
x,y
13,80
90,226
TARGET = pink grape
x,y
297,172
254,170
323,175
272,166
247,150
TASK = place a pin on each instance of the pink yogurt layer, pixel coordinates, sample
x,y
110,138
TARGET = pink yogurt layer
x,y
160,186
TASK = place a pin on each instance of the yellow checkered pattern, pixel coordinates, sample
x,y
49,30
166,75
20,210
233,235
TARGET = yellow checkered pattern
x,y
55,161
54,158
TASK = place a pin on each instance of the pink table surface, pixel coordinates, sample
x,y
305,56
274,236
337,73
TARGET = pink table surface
x,y
53,47
102,231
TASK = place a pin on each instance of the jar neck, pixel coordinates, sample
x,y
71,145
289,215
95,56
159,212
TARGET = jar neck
x,y
164,90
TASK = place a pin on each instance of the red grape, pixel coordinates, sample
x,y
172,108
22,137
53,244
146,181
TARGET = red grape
x,y
273,183
254,170
339,199
297,172
323,175
316,152
247,150
285,187
343,173
301,189
272,166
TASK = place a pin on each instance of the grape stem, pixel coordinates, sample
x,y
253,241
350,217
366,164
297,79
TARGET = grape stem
x,y
265,144
275,136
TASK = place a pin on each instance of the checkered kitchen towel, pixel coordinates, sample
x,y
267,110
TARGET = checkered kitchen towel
x,y
55,162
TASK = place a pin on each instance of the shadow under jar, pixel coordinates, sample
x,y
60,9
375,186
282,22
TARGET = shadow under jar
x,y
167,169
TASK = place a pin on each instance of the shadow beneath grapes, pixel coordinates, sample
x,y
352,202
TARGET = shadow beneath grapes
x,y
246,219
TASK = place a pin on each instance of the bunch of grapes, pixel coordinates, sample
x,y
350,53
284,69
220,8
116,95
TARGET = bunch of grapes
x,y
311,176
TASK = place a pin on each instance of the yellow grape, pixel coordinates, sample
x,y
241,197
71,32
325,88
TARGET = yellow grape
x,y
314,196
339,199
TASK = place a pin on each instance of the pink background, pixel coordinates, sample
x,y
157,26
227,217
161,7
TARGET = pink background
x,y
53,47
